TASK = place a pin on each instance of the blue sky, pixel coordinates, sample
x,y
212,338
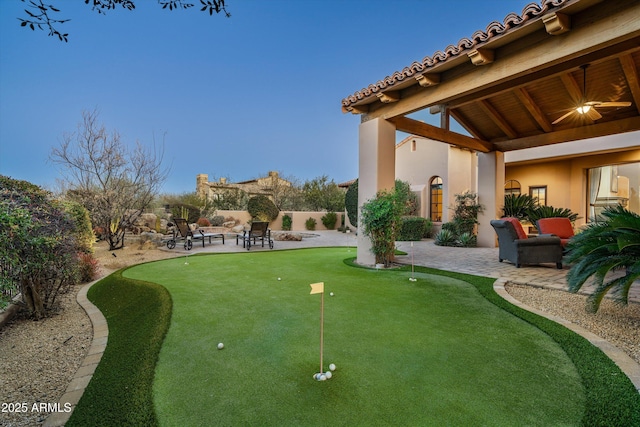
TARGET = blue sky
x,y
230,97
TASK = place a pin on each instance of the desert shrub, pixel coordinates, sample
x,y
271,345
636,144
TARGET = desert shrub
x,y
329,220
428,228
83,232
38,245
467,240
407,198
261,208
445,238
380,219
465,218
450,226
203,222
465,212
412,228
310,224
87,267
189,212
286,222
217,220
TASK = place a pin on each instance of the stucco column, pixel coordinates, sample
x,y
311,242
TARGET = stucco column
x,y
490,194
377,164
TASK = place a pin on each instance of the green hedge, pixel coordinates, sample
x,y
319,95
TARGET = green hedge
x,y
261,208
413,228
329,220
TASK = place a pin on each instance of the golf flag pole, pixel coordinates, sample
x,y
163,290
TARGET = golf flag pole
x,y
318,288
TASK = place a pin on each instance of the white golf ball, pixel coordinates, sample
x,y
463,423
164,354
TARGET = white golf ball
x,y
322,377
278,278
328,374
220,346
331,294
332,367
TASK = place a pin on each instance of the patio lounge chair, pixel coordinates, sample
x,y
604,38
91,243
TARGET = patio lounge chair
x,y
516,247
182,231
560,227
259,231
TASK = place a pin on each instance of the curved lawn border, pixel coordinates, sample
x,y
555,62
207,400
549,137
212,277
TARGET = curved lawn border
x,y
611,397
626,363
138,315
120,392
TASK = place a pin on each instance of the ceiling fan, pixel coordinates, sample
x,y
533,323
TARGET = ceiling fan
x,y
588,108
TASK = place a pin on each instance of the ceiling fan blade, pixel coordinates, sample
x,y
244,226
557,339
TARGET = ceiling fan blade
x,y
612,104
593,114
556,121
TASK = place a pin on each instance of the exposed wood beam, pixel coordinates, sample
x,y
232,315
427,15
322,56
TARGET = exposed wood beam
x,y
617,32
469,127
575,91
572,86
631,74
533,109
497,119
583,132
416,127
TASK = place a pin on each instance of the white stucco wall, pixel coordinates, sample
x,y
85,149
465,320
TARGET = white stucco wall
x,y
456,167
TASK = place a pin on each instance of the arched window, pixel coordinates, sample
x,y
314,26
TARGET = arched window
x,y
435,208
512,187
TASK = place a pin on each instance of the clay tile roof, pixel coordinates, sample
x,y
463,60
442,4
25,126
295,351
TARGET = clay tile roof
x,y
494,29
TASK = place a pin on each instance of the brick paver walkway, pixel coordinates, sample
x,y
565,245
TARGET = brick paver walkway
x,y
484,262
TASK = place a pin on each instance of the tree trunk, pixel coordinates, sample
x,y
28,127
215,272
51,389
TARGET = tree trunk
x,y
116,240
32,298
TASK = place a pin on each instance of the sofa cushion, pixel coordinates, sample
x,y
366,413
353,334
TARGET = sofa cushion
x,y
561,227
517,226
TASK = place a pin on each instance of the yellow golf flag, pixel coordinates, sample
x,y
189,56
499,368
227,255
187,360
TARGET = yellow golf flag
x,y
317,288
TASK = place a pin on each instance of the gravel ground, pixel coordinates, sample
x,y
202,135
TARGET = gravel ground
x,y
620,325
38,359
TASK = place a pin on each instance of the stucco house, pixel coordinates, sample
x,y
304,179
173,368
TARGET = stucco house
x,y
560,76
584,176
263,185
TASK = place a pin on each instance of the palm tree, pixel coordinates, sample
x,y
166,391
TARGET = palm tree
x,y
517,205
612,245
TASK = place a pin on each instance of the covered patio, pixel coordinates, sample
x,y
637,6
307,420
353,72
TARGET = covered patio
x,y
560,71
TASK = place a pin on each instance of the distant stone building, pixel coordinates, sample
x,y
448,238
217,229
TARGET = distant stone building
x,y
267,186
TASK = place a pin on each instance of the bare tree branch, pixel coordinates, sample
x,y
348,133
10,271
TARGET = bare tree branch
x,y
39,14
114,183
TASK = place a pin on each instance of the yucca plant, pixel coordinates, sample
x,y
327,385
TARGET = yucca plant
x,y
467,240
445,238
612,245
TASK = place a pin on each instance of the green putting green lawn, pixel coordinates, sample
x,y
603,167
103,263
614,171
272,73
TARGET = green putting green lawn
x,y
430,352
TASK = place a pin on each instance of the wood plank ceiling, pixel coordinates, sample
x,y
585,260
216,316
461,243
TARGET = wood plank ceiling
x,y
527,77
